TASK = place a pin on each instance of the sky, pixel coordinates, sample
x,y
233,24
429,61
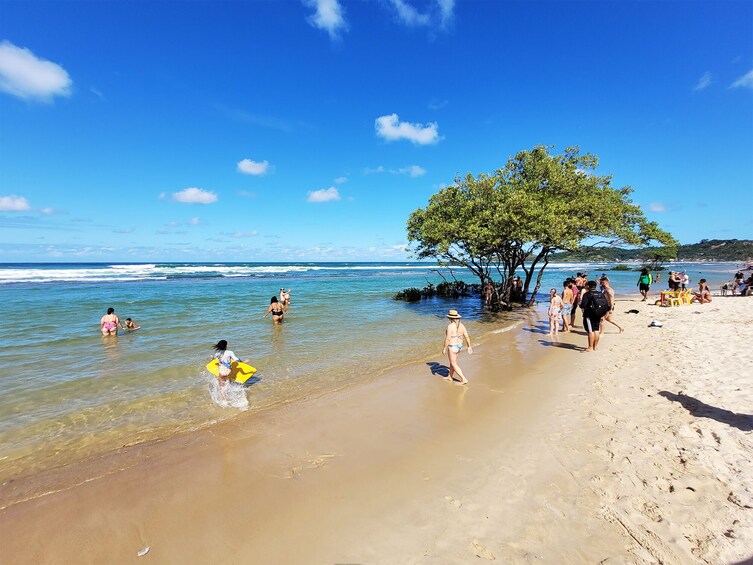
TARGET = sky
x,y
310,130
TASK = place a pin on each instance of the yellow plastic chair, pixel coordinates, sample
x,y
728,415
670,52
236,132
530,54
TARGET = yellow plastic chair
x,y
686,297
675,299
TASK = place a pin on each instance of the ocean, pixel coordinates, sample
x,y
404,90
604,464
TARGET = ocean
x,y
69,393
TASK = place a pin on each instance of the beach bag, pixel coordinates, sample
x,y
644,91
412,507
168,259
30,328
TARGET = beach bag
x,y
598,306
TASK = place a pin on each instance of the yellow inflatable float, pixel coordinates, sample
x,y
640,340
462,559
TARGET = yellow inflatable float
x,y
239,372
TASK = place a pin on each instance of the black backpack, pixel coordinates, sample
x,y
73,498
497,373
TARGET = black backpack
x,y
598,305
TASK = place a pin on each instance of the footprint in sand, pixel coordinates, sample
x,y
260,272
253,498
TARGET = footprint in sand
x,y
481,550
454,501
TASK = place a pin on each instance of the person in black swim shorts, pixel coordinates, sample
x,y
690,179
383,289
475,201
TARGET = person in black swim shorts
x,y
590,323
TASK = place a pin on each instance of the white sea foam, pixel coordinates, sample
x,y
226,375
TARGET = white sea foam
x,y
235,395
128,272
507,328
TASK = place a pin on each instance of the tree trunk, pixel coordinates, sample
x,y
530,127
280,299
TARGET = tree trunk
x,y
538,280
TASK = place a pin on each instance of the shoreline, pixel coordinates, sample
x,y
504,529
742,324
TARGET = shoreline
x,y
501,323
569,457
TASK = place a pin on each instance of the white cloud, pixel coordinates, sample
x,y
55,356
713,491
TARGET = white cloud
x,y
26,76
657,207
47,211
391,128
375,170
323,195
194,196
445,11
438,13
241,234
409,15
745,81
703,82
249,167
328,16
412,170
340,180
14,203
194,221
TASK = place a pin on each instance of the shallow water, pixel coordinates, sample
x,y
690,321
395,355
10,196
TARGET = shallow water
x,y
68,392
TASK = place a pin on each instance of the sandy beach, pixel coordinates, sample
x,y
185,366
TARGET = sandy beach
x,y
637,453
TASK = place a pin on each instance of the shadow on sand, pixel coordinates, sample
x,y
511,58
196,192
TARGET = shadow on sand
x,y
540,329
743,422
439,369
562,345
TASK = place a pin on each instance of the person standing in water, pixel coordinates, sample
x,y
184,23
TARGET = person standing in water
x,y
276,309
285,297
110,322
453,344
225,358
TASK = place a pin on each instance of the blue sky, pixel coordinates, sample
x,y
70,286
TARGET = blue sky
x,y
309,130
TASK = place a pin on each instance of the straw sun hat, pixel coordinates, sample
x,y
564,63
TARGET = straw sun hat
x,y
453,314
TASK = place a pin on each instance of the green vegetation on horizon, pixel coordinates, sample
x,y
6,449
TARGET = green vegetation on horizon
x,y
705,250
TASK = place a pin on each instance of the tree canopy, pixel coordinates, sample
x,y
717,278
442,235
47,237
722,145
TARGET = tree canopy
x,y
536,204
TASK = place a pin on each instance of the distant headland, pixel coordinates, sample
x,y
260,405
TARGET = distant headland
x,y
705,250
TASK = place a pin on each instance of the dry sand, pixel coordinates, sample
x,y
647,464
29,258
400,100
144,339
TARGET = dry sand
x,y
637,453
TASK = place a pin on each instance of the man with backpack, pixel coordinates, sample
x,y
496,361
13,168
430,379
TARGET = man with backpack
x,y
595,306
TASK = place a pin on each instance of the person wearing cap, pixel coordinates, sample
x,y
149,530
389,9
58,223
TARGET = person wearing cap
x,y
285,297
453,344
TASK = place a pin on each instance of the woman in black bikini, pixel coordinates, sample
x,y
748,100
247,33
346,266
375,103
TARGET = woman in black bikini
x,y
276,309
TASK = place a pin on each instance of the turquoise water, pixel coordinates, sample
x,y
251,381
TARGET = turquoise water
x,y
68,392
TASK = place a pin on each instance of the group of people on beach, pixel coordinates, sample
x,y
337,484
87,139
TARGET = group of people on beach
x,y
109,323
596,300
739,284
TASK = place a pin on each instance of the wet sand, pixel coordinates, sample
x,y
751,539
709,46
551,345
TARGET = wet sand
x,y
639,452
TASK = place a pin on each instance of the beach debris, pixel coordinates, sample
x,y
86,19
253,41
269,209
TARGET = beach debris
x,y
633,311
144,551
655,324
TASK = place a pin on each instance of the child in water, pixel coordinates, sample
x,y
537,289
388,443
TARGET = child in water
x,y
225,357
130,325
